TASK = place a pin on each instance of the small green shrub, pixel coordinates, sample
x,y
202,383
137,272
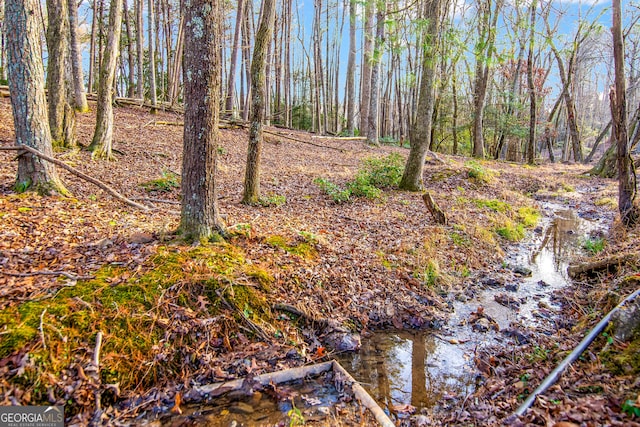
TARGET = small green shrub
x,y
374,175
383,172
338,194
593,245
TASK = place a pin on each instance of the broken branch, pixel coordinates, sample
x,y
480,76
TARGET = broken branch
x,y
79,174
437,213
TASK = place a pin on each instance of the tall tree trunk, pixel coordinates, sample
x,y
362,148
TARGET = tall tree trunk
x,y
200,218
421,130
152,57
231,79
258,66
531,145
102,142
92,46
57,47
26,84
76,59
365,79
131,88
484,54
374,99
139,5
247,33
177,64
287,63
626,169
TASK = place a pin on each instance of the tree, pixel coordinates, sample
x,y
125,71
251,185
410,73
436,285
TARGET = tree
x,y
231,79
258,65
531,143
373,119
57,47
102,142
199,218
483,53
351,66
26,84
421,129
626,169
79,93
152,58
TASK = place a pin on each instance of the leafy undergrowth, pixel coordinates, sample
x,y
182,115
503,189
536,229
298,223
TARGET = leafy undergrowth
x,y
174,315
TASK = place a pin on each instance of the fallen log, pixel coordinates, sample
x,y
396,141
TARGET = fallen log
x,y
79,174
589,268
437,213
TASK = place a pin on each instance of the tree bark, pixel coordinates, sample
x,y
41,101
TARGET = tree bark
x,y
531,144
92,46
231,80
57,48
139,5
365,79
102,142
373,116
131,88
152,58
79,92
258,66
421,130
26,84
484,53
626,169
200,218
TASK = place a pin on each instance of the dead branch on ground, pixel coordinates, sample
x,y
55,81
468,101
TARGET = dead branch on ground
x,y
79,174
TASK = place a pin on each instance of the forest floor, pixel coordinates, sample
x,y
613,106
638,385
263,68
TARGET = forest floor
x,y
300,277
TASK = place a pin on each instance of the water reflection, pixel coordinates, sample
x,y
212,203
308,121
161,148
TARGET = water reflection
x,y
432,371
409,368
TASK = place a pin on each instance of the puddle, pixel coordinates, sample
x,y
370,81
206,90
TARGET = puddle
x,y
309,398
436,370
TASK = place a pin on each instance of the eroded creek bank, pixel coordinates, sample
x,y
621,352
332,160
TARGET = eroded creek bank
x,y
413,374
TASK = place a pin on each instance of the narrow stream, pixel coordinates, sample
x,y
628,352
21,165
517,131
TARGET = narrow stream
x,y
434,370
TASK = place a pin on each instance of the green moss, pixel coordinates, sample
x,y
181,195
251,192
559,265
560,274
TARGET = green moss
x,y
302,249
166,183
134,311
528,216
623,361
493,204
511,231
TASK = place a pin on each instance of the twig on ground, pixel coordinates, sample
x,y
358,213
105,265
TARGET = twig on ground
x,y
79,174
48,273
44,344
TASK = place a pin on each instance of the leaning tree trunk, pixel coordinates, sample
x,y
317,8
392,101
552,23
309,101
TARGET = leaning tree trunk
x,y
421,132
258,66
102,142
57,47
200,218
26,84
79,93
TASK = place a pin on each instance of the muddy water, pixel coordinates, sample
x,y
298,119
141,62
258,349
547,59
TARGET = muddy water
x,y
435,370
